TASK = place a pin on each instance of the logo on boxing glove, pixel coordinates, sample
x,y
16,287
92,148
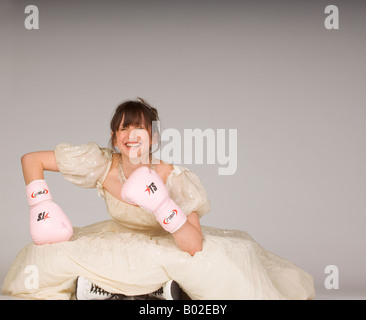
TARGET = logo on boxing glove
x,y
43,216
171,217
35,194
151,188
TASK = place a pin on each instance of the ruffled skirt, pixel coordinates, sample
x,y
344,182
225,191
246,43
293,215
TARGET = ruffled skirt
x,y
231,265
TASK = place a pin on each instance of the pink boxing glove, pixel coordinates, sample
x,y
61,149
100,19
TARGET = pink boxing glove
x,y
48,223
145,188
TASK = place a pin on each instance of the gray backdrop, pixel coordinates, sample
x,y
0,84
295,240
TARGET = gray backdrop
x,y
294,91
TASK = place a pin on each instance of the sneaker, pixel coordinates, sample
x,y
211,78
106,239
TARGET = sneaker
x,y
170,291
86,290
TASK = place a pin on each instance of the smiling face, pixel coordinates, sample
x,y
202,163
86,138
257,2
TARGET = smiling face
x,y
131,130
134,142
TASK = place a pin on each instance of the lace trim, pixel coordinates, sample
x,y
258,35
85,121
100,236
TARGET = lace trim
x,y
100,190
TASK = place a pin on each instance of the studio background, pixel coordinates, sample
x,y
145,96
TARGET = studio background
x,y
294,91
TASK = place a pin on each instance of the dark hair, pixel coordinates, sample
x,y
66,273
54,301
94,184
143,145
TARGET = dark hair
x,y
135,112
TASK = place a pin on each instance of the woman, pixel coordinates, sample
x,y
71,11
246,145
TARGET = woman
x,y
133,253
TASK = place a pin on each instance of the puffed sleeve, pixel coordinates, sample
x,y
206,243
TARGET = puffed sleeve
x,y
186,189
85,165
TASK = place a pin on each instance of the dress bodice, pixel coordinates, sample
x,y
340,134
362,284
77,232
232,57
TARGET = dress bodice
x,y
87,166
130,216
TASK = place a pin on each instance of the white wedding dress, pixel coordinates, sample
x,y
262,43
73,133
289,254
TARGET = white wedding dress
x,y
133,255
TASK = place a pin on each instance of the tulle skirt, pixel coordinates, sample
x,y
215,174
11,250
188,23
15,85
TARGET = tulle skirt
x,y
231,265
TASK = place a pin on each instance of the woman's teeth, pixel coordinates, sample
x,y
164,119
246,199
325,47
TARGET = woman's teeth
x,y
133,145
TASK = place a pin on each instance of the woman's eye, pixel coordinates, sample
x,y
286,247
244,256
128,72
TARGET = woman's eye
x,y
137,128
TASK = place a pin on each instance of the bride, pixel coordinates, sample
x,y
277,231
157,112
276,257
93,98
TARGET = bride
x,y
135,254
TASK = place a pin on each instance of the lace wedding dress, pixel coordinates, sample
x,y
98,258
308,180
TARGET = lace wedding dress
x,y
133,255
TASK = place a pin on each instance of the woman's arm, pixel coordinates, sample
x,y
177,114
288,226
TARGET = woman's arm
x,y
189,236
35,163
42,207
